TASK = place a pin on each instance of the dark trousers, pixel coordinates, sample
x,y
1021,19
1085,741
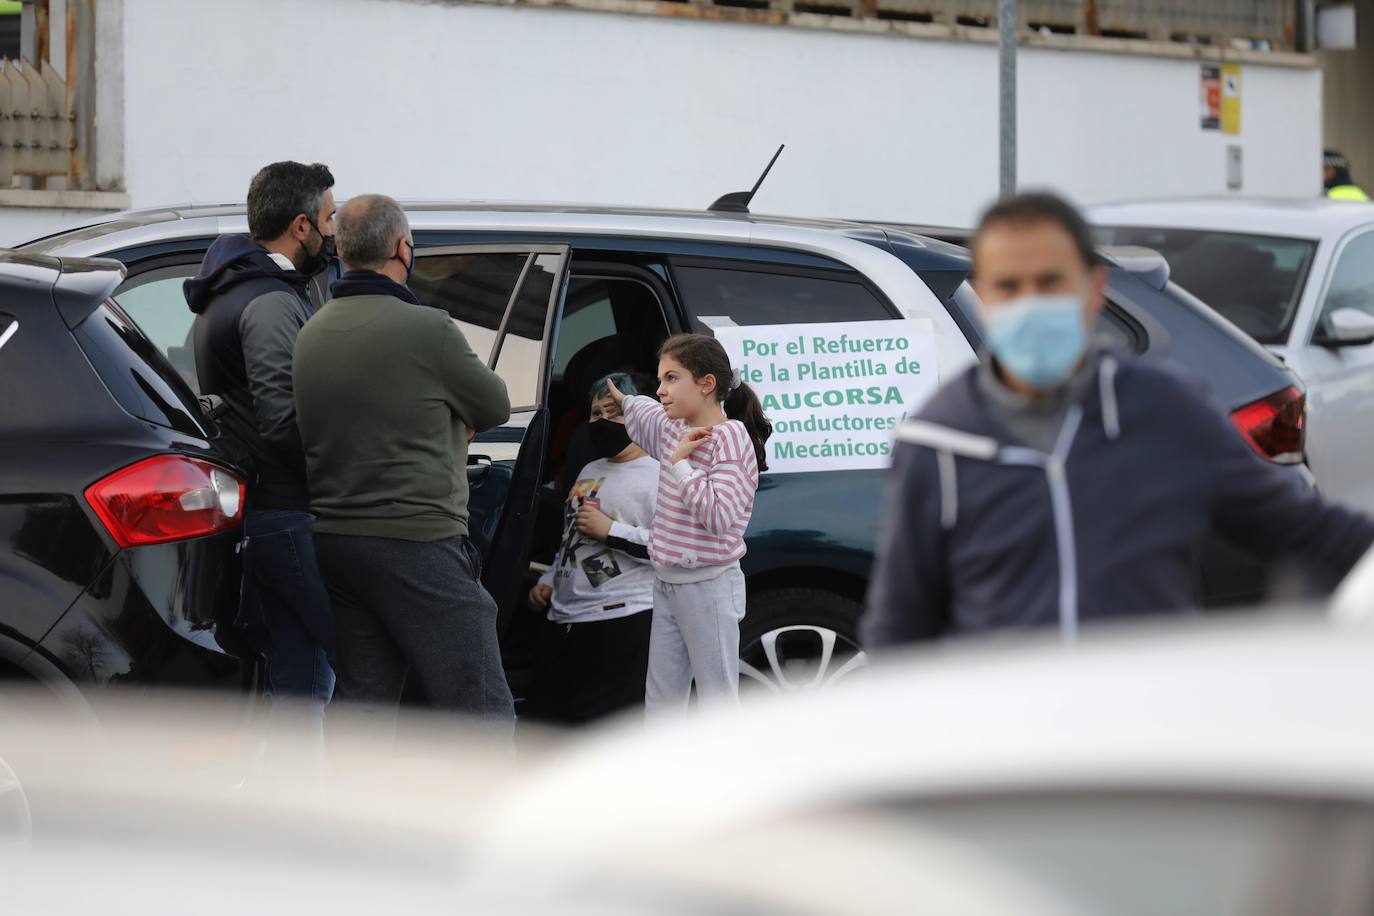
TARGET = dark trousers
x,y
584,671
411,607
283,590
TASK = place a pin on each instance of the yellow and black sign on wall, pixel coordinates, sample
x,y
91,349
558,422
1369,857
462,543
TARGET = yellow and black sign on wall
x,y
1219,96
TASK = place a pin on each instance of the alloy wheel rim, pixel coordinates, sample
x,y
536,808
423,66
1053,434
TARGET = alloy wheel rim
x,y
831,657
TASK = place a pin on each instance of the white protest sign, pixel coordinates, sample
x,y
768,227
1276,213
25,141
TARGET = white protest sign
x,y
834,392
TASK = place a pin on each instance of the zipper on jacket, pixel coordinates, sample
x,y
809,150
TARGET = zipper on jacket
x,y
947,443
1063,536
1062,508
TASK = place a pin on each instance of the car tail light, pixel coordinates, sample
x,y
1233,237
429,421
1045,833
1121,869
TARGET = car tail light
x,y
167,498
1276,426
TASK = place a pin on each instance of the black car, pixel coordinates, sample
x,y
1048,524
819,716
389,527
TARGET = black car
x,y
119,513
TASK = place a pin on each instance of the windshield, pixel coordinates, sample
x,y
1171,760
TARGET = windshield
x,y
1254,280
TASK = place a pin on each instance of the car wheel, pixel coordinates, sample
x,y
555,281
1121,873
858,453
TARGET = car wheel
x,y
798,639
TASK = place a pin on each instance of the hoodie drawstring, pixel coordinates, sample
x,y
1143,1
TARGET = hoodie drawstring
x,y
1106,379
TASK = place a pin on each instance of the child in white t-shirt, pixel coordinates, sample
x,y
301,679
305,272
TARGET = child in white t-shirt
x,y
599,593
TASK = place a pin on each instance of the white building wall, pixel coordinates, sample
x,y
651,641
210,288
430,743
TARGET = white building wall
x,y
434,99
1106,127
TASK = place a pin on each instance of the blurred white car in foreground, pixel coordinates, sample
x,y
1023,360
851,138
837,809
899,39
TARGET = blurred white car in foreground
x,y
1298,276
148,814
1204,770
1197,768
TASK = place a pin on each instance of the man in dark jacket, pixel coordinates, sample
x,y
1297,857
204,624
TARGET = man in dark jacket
x,y
388,392
250,299
1057,481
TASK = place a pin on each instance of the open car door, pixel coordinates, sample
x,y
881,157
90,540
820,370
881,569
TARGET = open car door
x,y
506,299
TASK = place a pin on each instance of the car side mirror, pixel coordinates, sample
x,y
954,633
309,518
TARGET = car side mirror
x,y
1346,327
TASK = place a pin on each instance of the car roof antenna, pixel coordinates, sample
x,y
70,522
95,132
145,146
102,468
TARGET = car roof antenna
x,y
738,201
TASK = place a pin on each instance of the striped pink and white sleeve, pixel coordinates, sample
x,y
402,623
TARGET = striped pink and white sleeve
x,y
647,423
722,495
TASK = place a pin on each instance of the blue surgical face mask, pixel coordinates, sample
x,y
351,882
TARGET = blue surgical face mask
x,y
1038,339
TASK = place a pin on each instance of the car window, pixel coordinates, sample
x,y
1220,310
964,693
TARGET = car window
x,y
155,301
1114,329
1254,280
473,288
135,372
1352,282
500,301
747,294
520,360
587,317
609,322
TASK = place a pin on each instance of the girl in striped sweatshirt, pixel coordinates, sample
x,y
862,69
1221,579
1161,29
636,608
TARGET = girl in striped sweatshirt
x,y
707,431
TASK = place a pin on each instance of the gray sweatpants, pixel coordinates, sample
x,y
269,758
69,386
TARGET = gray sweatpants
x,y
695,635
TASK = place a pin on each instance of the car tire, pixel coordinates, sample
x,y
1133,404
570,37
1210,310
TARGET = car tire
x,y
795,639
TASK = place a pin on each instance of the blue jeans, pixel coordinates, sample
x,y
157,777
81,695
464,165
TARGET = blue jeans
x,y
283,588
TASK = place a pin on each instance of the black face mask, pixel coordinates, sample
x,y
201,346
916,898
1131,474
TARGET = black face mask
x,y
317,262
609,438
409,265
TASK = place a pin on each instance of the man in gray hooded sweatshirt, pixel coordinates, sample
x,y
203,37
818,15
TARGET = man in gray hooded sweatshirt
x,y
1056,481
250,298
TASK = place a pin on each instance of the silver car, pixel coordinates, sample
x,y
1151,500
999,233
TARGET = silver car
x,y
605,286
1298,276
555,296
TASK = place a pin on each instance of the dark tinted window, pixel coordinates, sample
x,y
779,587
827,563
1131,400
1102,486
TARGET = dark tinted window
x,y
1254,280
1116,330
136,373
587,317
748,296
520,362
608,323
474,288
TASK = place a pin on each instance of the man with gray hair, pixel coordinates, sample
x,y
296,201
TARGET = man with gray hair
x,y
250,300
388,393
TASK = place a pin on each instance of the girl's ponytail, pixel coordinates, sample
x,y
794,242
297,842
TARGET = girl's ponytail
x,y
743,404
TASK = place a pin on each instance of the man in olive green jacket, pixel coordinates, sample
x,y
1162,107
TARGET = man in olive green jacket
x,y
388,393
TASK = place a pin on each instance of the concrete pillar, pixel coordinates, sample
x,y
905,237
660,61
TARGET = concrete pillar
x,y
1348,98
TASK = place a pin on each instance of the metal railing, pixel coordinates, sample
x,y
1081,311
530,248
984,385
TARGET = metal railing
x,y
47,111
1256,24
36,120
